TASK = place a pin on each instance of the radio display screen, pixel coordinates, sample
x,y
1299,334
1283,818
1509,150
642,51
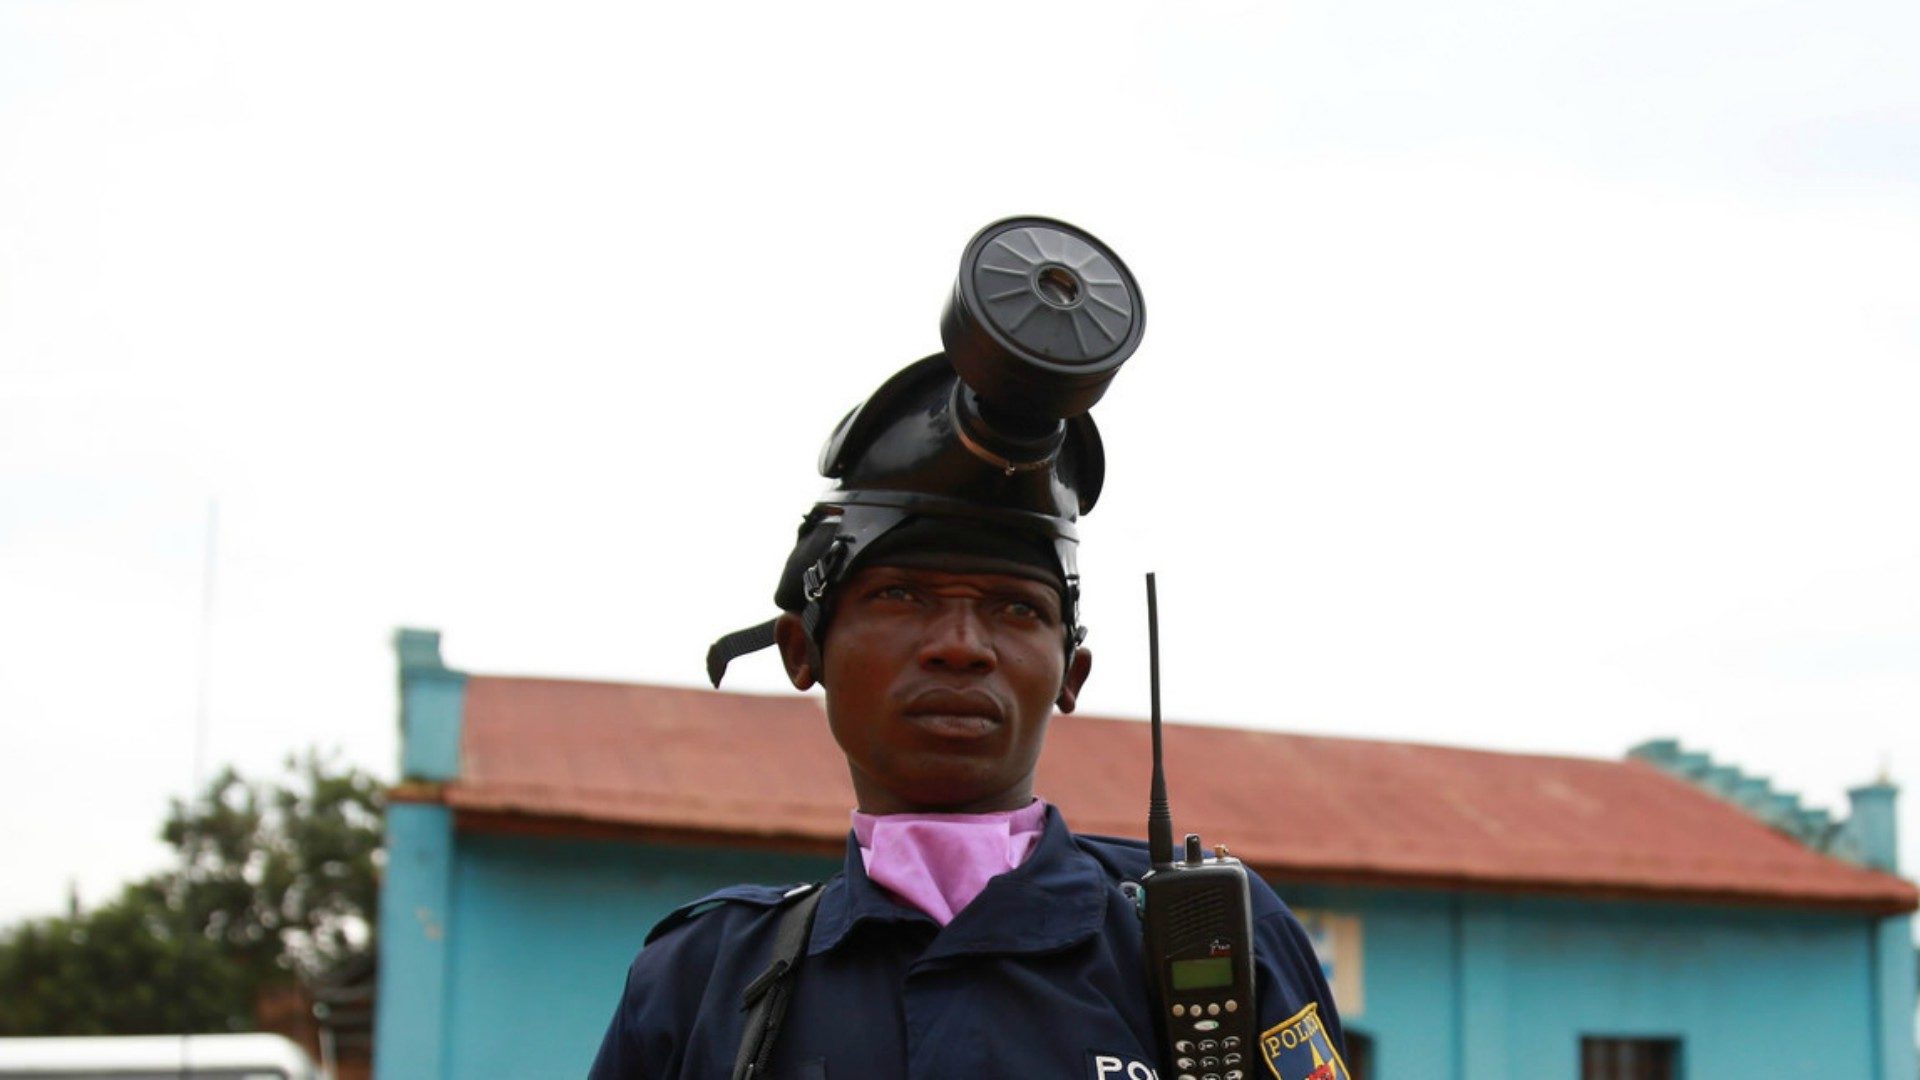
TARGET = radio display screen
x,y
1202,974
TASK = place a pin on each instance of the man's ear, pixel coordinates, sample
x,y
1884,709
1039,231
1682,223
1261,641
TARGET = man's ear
x,y
1078,667
790,637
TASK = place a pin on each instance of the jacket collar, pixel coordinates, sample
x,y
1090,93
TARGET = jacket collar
x,y
1056,898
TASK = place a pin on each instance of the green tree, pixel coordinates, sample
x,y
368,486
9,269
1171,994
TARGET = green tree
x,y
274,882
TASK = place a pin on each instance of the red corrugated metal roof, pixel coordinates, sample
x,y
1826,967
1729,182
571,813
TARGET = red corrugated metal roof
x,y
599,757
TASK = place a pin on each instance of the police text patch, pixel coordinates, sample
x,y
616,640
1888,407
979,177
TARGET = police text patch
x,y
1117,1067
1299,1048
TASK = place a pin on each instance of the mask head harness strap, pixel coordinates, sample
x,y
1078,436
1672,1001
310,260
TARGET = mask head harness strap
x,y
848,523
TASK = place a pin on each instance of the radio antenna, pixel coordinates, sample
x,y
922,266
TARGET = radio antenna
x,y
1159,817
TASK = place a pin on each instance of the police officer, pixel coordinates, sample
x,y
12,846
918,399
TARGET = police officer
x,y
933,595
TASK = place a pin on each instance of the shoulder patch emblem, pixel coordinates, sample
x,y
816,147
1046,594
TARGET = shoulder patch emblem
x,y
1299,1048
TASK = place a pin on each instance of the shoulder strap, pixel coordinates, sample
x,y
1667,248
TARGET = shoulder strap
x,y
761,896
765,999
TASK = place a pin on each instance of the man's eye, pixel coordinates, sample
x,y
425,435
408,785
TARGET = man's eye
x,y
893,592
1020,609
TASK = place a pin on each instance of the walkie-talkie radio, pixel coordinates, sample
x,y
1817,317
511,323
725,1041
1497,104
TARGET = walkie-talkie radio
x,y
1199,932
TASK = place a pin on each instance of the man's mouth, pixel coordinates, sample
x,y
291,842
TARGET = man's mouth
x,y
955,714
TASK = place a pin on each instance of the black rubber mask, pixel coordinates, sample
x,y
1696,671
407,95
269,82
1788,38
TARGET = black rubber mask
x,y
988,442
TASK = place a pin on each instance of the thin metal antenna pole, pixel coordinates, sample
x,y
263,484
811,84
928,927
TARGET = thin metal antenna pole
x,y
191,941
201,707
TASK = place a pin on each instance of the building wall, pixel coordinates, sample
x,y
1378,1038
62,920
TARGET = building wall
x,y
1472,986
547,930
537,934
528,949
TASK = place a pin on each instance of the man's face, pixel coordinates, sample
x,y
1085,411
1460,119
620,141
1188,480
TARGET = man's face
x,y
940,684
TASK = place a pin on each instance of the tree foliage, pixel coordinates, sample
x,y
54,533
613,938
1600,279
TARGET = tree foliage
x,y
273,881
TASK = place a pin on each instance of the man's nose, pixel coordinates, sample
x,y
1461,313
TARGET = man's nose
x,y
957,640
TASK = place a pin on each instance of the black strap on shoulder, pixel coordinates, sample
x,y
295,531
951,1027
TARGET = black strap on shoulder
x,y
765,999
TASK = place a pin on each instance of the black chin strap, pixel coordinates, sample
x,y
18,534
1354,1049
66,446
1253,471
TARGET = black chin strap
x,y
818,579
736,645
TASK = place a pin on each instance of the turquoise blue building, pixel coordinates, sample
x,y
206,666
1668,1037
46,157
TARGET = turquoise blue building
x,y
1482,916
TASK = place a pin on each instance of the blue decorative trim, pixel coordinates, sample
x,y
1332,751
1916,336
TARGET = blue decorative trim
x,y
1871,826
1894,999
1866,837
1484,1001
432,699
416,922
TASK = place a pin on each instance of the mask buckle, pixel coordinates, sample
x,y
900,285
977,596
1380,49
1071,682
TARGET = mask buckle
x,y
822,574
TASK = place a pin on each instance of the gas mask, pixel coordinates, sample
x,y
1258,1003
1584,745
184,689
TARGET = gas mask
x,y
990,441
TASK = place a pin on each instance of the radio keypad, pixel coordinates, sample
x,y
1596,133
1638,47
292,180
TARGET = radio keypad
x,y
1208,1053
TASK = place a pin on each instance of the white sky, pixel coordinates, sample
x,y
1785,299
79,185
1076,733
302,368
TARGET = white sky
x,y
1517,376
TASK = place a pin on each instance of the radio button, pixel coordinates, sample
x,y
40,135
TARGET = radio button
x,y
1231,1042
1208,1046
1235,1074
1233,1059
1213,1009
1185,1046
1206,1025
1179,1010
1232,1005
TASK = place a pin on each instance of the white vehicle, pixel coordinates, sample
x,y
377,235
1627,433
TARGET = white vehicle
x,y
153,1057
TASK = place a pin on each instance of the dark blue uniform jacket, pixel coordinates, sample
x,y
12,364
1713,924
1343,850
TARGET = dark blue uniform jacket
x,y
1041,976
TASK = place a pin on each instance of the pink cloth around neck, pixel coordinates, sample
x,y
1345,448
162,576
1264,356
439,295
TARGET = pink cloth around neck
x,y
940,862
